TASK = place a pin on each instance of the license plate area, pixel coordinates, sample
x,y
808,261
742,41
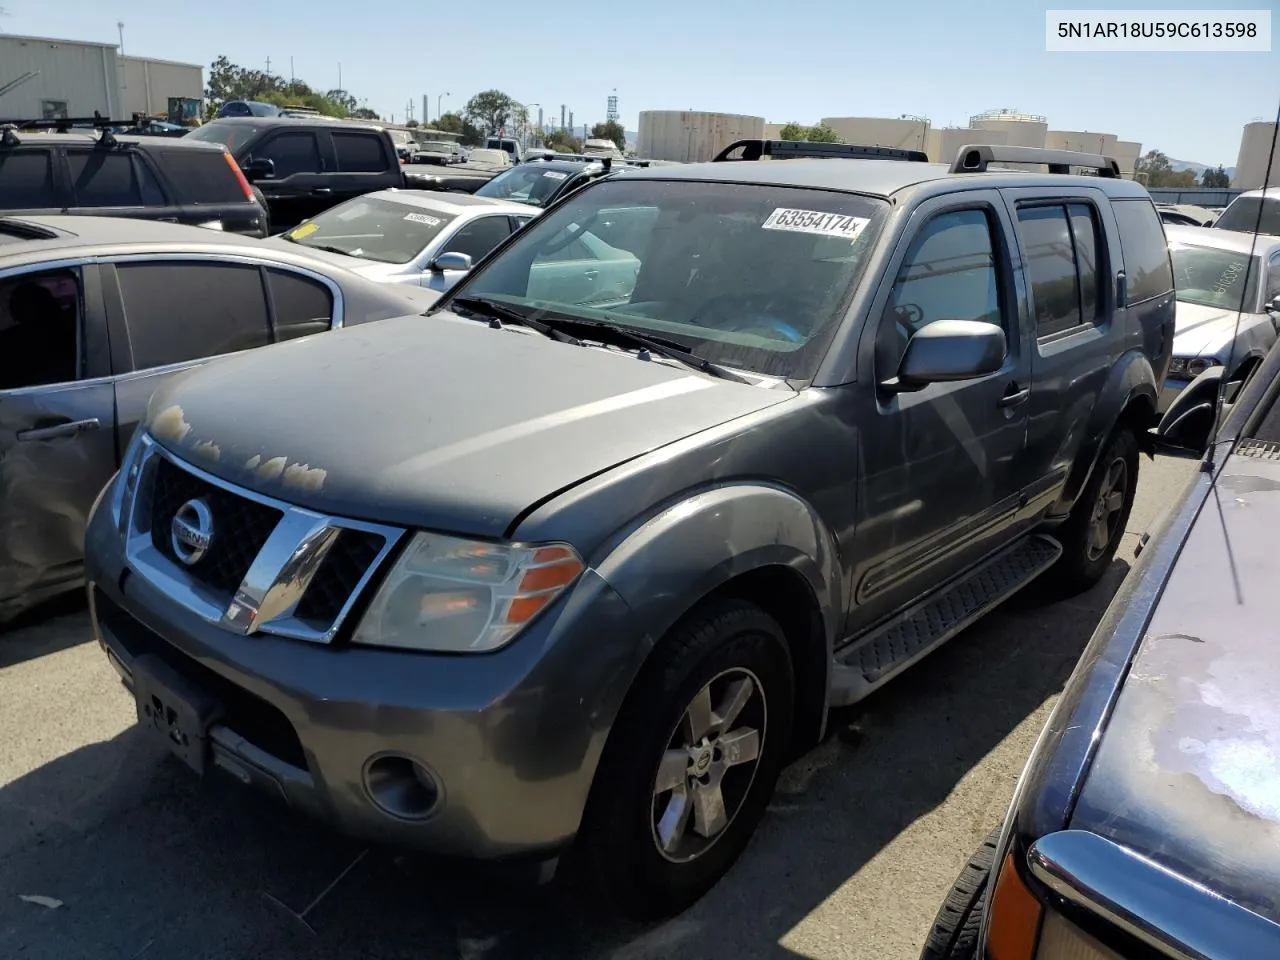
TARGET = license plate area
x,y
174,709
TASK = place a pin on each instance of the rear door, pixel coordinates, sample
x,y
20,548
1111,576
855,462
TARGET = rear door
x,y
167,314
57,443
300,187
115,183
206,188
31,180
364,161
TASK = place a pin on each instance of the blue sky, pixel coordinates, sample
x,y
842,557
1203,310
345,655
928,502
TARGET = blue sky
x,y
799,60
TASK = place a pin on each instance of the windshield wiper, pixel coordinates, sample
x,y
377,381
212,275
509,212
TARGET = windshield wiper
x,y
663,348
500,312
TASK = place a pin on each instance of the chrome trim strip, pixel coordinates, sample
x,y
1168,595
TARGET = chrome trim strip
x,y
268,596
1177,918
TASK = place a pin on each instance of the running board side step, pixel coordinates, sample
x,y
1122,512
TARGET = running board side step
x,y
874,659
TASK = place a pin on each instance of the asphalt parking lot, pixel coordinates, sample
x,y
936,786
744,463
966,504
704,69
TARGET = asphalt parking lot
x,y
863,840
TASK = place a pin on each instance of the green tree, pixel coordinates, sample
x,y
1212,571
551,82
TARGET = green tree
x,y
1215,178
343,99
364,113
793,131
610,130
230,81
453,123
490,110
562,140
823,134
1155,170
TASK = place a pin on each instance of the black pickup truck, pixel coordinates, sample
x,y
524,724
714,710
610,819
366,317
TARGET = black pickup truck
x,y
302,166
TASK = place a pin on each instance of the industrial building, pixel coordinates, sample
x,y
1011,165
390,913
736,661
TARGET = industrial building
x,y
903,133
47,78
692,136
1255,151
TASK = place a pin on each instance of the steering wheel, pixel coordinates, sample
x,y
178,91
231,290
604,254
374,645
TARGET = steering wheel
x,y
743,313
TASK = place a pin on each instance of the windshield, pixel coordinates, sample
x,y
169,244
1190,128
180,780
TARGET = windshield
x,y
1242,215
532,183
436,146
372,229
231,135
1215,278
745,275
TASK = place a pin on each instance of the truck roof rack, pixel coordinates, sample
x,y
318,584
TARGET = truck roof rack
x,y
783,149
10,128
976,157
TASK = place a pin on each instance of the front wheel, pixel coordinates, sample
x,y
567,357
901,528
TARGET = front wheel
x,y
691,763
954,934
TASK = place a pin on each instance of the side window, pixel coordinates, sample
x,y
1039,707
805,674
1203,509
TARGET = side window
x,y
1273,279
575,249
300,305
360,153
1146,252
1085,233
39,328
201,176
110,179
949,273
26,180
1048,255
292,153
185,310
479,236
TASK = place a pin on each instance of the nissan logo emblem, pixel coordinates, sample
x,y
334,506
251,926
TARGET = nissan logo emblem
x,y
191,531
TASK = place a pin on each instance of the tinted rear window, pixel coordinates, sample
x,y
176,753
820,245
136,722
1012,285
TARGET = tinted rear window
x,y
1146,252
360,153
26,180
1242,215
200,176
101,179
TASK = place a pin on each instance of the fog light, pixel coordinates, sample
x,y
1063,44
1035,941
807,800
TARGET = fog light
x,y
401,787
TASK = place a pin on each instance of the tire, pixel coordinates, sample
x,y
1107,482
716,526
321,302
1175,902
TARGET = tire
x,y
1084,560
954,934
619,855
266,211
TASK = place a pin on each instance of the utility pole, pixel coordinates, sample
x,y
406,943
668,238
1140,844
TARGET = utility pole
x,y
268,66
426,115
291,79
439,98
340,86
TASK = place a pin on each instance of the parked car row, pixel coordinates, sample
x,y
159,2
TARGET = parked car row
x,y
678,459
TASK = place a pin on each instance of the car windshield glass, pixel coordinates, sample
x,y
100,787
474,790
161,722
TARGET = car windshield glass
x,y
1214,278
530,183
436,146
230,135
749,276
1242,215
373,229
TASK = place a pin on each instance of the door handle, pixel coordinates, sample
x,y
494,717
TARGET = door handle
x,y
591,274
320,191
69,429
1014,396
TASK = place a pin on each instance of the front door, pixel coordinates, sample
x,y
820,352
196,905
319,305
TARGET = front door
x,y
939,466
299,187
57,442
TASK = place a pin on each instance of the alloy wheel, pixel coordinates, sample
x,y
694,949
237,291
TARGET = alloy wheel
x,y
1108,508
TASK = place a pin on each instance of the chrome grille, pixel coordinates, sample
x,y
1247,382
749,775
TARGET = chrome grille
x,y
269,566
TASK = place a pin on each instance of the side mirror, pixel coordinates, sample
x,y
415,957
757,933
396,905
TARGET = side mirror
x,y
452,261
260,168
1187,426
949,350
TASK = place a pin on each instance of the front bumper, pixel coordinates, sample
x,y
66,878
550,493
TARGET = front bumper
x,y
512,739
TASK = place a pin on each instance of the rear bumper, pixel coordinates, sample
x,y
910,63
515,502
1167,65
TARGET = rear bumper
x,y
511,740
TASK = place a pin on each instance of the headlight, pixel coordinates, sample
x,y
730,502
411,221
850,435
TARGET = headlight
x,y
126,482
449,595
1189,368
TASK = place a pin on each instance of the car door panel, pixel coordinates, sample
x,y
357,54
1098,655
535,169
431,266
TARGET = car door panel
x,y
939,466
57,452
300,187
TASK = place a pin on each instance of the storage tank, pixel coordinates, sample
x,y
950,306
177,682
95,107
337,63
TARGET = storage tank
x,y
773,131
1251,162
1082,141
1126,154
1020,129
945,142
902,133
692,136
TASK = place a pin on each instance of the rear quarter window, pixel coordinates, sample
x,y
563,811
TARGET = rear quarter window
x,y
1147,267
200,177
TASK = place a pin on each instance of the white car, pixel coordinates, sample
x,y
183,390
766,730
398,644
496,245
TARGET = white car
x,y
1242,213
1228,309
420,237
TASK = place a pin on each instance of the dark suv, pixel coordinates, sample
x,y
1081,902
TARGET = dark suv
x,y
570,566
306,165
143,177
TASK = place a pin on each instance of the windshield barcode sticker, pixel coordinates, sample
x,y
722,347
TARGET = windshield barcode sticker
x,y
422,218
554,174
815,221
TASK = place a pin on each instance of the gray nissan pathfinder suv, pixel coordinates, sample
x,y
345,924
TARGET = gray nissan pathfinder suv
x,y
570,566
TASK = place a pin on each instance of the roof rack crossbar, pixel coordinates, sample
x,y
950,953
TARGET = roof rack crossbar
x,y
976,157
64,124
753,149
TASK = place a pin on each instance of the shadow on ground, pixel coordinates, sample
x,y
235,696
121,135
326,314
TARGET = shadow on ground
x,y
42,630
149,863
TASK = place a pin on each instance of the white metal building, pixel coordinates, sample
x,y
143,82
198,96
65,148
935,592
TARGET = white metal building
x,y
1251,162
692,136
147,84
58,78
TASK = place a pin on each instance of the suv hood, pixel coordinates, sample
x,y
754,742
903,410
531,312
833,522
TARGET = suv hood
x,y
435,422
1201,331
1188,769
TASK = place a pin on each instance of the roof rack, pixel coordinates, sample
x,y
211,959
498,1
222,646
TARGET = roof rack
x,y
781,149
976,157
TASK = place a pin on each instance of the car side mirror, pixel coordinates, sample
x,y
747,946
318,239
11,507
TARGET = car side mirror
x,y
260,168
452,261
949,350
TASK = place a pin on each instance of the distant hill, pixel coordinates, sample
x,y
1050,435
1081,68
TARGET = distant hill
x,y
1197,168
